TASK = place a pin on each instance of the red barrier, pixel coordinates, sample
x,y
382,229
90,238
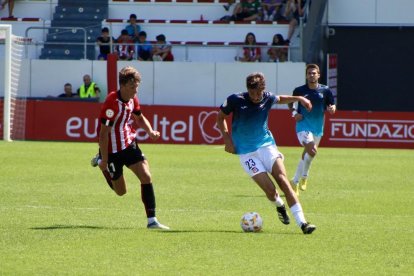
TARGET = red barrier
x,y
76,121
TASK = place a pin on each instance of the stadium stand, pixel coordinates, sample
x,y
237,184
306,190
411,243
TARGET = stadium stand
x,y
190,25
75,23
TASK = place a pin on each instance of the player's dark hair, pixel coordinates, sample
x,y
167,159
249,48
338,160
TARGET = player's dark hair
x,y
128,74
312,66
255,80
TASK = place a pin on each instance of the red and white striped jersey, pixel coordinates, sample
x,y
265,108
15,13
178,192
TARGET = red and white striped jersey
x,y
116,113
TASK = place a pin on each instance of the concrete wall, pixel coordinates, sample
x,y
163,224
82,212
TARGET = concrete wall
x,y
177,83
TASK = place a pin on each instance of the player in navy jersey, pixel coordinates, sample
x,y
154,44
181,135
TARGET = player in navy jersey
x,y
309,124
117,145
252,140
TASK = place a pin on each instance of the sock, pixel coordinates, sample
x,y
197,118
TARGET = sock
x,y
297,212
148,198
306,165
152,219
299,171
278,201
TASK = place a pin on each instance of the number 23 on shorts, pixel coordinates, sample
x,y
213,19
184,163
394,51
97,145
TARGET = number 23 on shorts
x,y
251,165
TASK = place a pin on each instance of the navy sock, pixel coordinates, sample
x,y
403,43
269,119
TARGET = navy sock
x,y
148,198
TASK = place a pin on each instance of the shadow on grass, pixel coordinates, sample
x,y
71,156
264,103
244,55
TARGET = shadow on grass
x,y
198,231
281,195
225,231
61,226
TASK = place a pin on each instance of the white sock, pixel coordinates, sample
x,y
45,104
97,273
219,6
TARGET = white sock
x,y
151,220
299,171
297,212
278,201
306,165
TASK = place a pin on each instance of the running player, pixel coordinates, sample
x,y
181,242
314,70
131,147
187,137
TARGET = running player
x,y
309,124
252,140
117,145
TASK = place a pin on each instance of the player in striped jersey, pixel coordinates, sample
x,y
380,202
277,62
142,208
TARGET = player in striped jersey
x,y
117,145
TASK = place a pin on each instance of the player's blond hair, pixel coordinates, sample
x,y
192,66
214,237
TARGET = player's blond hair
x,y
128,74
256,80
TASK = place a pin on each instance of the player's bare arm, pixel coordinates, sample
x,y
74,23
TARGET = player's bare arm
x,y
103,146
222,125
145,124
284,99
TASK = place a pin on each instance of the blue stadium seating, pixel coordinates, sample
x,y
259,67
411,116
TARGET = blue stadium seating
x,y
74,14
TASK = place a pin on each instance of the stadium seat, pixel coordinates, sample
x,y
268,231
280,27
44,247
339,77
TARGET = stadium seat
x,y
87,15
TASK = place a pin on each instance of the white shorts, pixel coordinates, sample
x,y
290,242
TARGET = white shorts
x,y
305,137
261,160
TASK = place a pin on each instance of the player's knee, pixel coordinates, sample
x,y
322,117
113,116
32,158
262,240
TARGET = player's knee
x,y
279,175
145,177
312,152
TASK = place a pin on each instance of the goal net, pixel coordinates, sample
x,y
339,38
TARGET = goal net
x,y
12,49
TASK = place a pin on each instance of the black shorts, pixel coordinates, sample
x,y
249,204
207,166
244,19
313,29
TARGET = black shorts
x,y
127,157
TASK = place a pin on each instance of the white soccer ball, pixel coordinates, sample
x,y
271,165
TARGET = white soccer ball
x,y
251,222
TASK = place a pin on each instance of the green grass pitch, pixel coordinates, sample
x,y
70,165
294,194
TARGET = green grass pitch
x,y
57,215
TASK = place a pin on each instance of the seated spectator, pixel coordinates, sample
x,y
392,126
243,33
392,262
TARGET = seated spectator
x,y
11,6
162,50
104,41
88,89
249,10
68,92
125,46
297,8
271,10
133,28
251,53
230,8
277,54
144,48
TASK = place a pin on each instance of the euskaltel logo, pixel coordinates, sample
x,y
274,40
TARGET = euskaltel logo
x,y
208,126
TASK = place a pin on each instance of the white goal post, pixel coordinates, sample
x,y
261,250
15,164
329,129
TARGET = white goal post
x,y
14,104
5,34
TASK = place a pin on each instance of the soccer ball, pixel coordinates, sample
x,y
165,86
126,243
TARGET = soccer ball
x,y
251,222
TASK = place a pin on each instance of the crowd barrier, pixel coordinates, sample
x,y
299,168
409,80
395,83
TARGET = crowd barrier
x,y
76,121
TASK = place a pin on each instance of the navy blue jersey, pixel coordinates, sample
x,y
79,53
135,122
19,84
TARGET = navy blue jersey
x,y
250,129
320,98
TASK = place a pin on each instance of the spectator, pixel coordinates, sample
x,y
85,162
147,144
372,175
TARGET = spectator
x,y
68,92
144,48
249,10
162,50
133,28
251,53
278,54
88,89
104,41
125,47
11,6
297,7
271,9
230,8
